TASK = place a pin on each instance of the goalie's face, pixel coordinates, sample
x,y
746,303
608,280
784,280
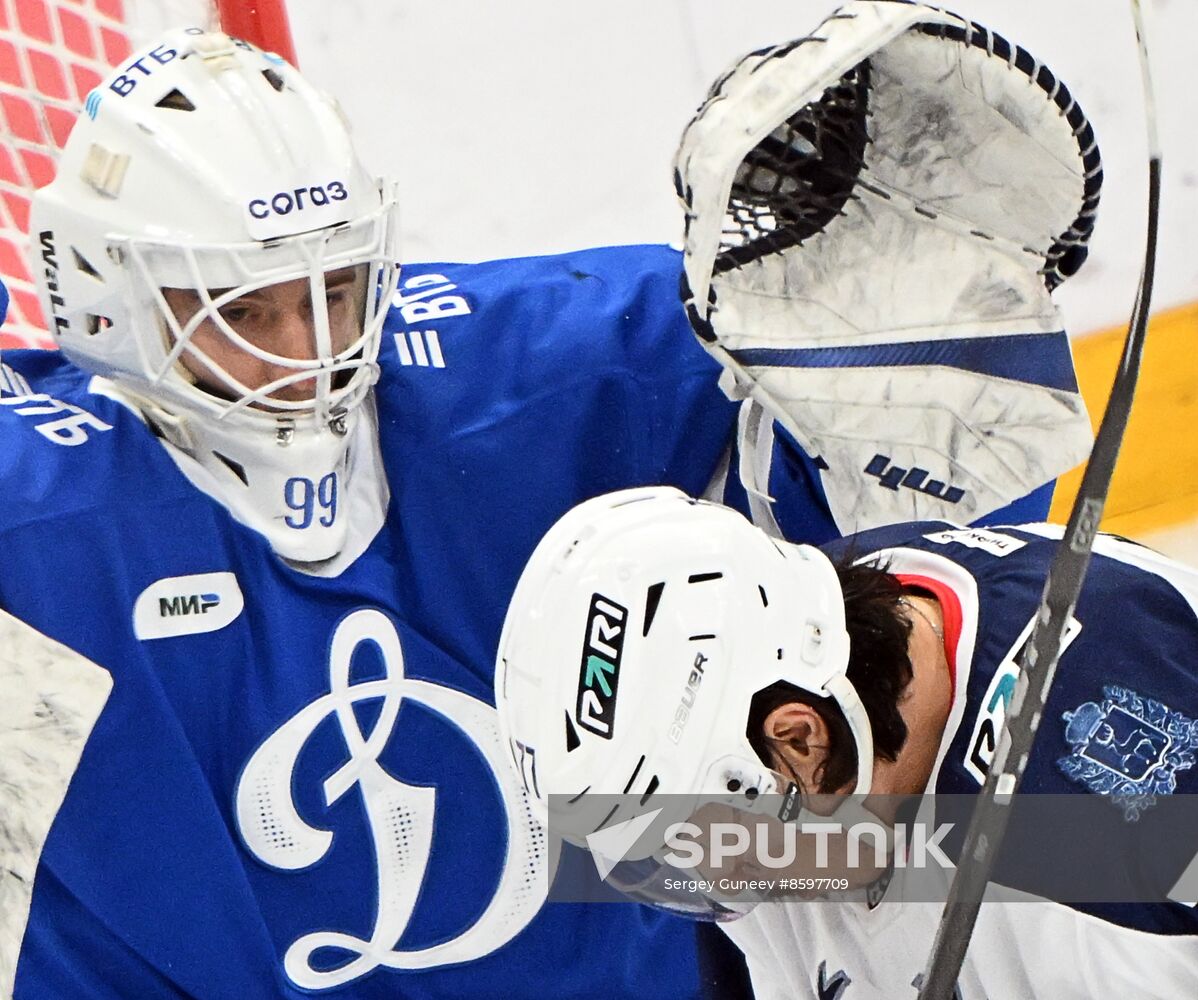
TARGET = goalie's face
x,y
264,341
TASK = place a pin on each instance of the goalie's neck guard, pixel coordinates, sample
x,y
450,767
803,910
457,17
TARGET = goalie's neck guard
x,y
319,498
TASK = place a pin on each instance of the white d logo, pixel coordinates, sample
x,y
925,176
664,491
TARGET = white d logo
x,y
400,816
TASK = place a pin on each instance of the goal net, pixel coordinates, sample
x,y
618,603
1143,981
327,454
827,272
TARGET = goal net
x,y
52,54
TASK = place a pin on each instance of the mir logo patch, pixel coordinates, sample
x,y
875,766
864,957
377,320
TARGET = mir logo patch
x,y
600,672
192,604
187,605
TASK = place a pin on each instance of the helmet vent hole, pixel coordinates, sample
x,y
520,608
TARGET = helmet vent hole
x,y
572,740
84,265
652,600
765,601
274,79
176,100
704,577
698,638
607,819
650,789
97,324
235,467
635,771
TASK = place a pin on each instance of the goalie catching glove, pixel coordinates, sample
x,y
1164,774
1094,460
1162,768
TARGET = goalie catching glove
x,y
876,217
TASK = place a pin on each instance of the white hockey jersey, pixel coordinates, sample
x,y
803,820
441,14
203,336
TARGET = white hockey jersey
x,y
1119,723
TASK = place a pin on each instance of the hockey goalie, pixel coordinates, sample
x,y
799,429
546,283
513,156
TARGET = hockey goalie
x,y
272,495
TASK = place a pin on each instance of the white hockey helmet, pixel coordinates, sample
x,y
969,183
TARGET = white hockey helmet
x,y
207,166
638,634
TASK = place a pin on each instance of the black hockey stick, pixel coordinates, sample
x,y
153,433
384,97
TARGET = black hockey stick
x,y
1061,590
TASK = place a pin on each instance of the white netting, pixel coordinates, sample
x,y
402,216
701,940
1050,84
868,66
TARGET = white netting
x,y
52,53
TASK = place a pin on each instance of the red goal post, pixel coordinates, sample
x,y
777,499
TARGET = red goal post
x,y
52,54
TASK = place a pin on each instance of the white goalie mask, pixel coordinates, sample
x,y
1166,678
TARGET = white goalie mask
x,y
213,246
640,631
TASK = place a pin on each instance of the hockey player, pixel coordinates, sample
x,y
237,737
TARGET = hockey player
x,y
881,665
289,537
296,782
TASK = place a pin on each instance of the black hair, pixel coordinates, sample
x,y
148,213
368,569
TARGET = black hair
x,y
879,668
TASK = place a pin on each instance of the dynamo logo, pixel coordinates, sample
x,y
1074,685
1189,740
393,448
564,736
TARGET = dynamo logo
x,y
401,818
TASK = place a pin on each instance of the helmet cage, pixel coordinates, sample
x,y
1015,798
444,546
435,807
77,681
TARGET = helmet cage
x,y
238,269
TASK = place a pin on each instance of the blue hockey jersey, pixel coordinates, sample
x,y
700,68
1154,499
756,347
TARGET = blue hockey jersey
x,y
1134,628
297,784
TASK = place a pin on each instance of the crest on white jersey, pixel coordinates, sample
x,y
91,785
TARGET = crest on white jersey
x,y
1129,748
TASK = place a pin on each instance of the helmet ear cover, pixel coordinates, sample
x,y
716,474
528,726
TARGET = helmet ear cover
x,y
879,669
695,611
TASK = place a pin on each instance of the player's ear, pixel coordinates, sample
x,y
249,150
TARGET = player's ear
x,y
799,738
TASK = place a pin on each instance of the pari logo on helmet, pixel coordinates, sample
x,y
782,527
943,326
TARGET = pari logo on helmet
x,y
599,676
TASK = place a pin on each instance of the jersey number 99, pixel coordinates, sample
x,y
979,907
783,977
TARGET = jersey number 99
x,y
305,498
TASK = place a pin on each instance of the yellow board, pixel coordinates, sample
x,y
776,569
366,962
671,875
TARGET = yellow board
x,y
1156,477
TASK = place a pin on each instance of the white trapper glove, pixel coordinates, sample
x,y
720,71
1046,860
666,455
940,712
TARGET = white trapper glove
x,y
876,216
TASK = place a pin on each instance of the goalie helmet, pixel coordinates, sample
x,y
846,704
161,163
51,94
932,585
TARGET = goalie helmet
x,y
638,634
203,177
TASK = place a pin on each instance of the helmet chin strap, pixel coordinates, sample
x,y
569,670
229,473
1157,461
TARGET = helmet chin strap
x,y
854,712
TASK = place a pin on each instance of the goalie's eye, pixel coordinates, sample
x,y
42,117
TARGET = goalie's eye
x,y
342,288
235,312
